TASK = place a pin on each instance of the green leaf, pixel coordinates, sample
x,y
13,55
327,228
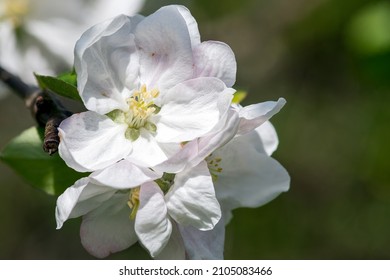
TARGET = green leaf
x,y
239,96
70,78
63,85
24,154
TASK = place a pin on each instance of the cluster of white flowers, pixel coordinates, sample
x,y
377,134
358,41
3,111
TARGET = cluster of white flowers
x,y
170,156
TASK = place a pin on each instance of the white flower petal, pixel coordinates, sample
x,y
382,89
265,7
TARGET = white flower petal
x,y
20,61
174,250
191,200
90,141
197,150
250,178
106,61
180,160
212,141
192,25
268,136
51,33
255,115
124,175
79,199
9,51
152,225
147,151
204,245
215,59
191,109
164,46
108,229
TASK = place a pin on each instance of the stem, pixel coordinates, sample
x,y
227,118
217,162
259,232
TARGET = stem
x,y
16,84
44,107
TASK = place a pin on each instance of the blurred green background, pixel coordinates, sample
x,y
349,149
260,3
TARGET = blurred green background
x,y
331,60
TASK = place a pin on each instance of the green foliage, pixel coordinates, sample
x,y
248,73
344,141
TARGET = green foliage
x,y
368,31
325,24
367,38
64,85
70,78
25,155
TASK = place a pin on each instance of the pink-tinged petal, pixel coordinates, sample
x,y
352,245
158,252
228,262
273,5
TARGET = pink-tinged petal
x,y
191,109
124,175
174,250
164,47
106,63
249,177
152,225
191,200
148,152
254,115
215,59
90,141
268,136
80,199
197,150
204,245
108,229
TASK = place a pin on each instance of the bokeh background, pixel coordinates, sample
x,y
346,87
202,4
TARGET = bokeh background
x,y
331,60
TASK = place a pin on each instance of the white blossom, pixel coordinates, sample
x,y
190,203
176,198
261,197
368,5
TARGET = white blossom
x,y
238,156
170,156
244,173
140,205
238,121
149,86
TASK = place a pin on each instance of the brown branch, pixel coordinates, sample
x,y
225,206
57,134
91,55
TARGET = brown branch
x,y
44,107
22,89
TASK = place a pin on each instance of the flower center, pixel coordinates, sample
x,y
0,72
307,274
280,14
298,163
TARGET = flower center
x,y
133,202
141,107
14,10
213,165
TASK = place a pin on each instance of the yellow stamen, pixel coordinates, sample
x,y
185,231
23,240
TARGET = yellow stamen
x,y
141,108
141,105
213,165
133,202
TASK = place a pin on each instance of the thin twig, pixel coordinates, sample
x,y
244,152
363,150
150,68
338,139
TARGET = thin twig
x,y
44,107
16,84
